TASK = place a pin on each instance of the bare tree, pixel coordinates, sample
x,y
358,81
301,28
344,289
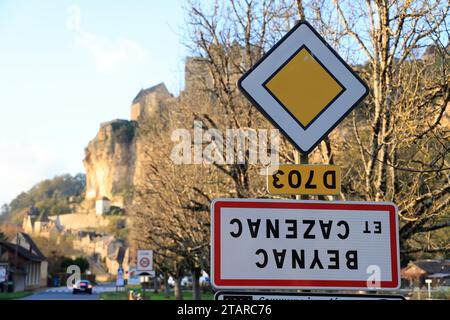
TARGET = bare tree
x,y
232,36
400,137
171,202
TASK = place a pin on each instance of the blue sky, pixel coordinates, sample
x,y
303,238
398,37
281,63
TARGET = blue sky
x,y
67,66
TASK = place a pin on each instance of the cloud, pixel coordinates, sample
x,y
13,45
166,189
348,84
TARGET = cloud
x,y
108,54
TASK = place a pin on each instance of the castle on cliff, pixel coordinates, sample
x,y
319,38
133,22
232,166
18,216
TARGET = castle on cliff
x,y
112,169
111,158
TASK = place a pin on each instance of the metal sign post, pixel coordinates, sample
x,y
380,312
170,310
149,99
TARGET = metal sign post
x,y
145,267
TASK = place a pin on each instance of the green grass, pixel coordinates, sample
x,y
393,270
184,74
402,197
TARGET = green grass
x,y
14,295
187,295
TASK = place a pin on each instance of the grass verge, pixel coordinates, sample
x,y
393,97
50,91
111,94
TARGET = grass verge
x,y
187,295
14,295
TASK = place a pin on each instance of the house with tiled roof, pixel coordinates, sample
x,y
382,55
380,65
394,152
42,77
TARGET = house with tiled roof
x,y
416,272
26,265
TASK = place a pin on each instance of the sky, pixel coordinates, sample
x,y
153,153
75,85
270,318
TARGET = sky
x,y
66,67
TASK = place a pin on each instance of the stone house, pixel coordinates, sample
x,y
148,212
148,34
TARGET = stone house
x,y
102,205
415,273
112,252
85,241
119,258
38,223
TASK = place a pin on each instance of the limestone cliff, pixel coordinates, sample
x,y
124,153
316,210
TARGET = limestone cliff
x,y
110,162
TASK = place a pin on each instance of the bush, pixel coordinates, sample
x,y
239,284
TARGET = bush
x,y
442,293
50,196
81,262
115,211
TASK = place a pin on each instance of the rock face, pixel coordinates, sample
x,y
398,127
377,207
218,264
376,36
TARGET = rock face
x,y
110,161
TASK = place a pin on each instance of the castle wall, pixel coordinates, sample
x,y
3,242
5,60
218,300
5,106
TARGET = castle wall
x,y
82,221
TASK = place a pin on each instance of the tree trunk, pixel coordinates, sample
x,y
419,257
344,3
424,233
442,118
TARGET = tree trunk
x,y
177,289
196,273
156,284
166,286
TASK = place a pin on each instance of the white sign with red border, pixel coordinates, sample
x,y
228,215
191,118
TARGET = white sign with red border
x,y
144,261
269,244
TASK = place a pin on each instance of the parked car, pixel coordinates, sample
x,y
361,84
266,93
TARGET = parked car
x,y
186,282
82,286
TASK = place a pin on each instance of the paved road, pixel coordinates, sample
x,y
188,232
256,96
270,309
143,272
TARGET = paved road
x,y
63,293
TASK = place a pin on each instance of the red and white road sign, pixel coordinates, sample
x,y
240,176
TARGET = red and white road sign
x,y
145,261
271,244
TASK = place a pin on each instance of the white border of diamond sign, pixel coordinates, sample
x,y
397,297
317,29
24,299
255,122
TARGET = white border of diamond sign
x,y
252,85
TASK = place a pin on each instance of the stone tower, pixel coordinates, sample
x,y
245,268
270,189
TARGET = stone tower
x,y
149,102
29,219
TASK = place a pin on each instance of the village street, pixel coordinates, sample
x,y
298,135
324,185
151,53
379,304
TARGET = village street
x,y
64,293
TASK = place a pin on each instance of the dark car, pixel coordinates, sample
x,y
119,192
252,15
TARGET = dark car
x,y
82,286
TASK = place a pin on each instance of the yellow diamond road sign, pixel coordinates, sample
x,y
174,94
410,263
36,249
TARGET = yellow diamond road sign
x,y
303,87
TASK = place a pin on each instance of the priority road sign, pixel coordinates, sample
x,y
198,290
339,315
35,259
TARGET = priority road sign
x,y
269,296
303,87
303,179
260,243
